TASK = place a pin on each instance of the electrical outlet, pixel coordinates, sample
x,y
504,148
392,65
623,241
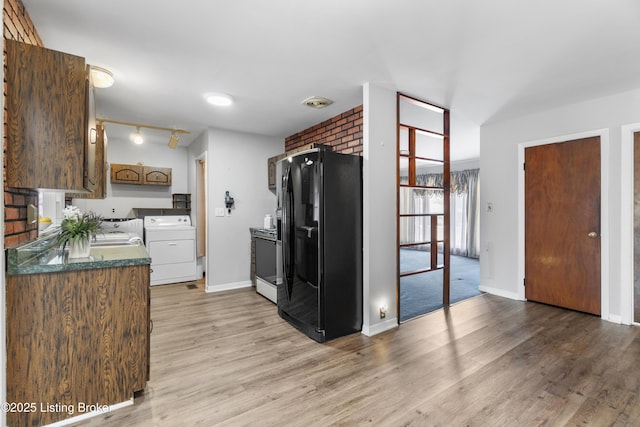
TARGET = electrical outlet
x,y
383,312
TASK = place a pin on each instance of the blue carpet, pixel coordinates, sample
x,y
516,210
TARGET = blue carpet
x,y
422,293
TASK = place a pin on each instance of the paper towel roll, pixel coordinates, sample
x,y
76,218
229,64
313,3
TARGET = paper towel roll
x,y
268,221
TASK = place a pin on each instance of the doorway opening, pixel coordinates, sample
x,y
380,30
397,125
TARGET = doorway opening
x,y
424,208
201,214
438,214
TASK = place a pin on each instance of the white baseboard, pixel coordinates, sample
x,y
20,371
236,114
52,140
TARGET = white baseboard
x,y
614,318
371,330
228,286
99,410
500,292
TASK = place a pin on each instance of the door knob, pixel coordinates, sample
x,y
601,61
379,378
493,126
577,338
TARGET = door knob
x,y
592,235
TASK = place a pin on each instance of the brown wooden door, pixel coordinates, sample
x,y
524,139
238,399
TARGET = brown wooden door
x,y
636,227
562,224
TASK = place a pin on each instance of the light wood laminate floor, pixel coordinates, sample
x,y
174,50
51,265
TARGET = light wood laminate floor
x,y
228,359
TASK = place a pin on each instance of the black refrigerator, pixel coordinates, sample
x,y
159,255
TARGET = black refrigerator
x,y
321,232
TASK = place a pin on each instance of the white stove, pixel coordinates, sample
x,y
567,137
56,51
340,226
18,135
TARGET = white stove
x,y
171,243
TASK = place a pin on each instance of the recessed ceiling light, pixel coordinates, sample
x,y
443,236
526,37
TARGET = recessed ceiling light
x,y
317,102
101,77
219,99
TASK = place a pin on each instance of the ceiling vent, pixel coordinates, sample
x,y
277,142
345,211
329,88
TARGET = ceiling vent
x,y
317,102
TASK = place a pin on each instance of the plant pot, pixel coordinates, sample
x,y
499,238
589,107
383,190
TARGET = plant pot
x,y
79,248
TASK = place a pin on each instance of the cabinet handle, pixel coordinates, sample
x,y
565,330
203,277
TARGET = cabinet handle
x,y
32,214
172,244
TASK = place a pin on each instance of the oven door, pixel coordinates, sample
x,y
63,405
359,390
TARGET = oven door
x,y
266,262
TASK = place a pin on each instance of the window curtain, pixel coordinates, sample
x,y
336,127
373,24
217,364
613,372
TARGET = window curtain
x,y
464,213
418,201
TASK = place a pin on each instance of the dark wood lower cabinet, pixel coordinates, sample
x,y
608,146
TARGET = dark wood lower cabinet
x,y
75,339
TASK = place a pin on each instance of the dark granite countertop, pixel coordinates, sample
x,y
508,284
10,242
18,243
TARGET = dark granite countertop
x,y
42,256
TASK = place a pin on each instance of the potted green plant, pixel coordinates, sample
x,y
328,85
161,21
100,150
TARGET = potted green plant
x,y
77,229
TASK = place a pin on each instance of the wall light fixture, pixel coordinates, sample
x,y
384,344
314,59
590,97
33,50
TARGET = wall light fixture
x,y
101,77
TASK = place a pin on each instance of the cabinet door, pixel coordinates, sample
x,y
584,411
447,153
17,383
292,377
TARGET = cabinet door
x,y
78,336
45,107
126,174
91,141
271,170
101,166
156,176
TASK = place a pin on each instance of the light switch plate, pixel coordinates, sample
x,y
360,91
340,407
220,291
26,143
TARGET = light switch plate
x,y
219,211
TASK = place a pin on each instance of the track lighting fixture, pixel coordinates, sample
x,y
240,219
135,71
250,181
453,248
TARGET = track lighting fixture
x,y
173,140
137,138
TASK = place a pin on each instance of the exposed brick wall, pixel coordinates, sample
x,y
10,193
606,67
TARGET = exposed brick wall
x,y
17,26
342,132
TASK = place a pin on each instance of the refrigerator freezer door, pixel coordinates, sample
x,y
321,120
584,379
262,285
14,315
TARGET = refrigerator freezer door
x,y
298,297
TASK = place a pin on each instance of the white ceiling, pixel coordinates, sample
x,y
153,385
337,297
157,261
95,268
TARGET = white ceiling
x,y
485,60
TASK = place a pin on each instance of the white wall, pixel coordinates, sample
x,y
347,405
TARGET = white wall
x,y
379,208
236,162
499,169
464,139
121,198
465,164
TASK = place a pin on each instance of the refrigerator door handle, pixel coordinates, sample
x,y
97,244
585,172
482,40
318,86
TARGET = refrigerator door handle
x,y
287,240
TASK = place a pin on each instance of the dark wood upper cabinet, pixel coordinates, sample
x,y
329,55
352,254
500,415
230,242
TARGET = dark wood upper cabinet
x,y
152,175
51,134
271,170
140,175
126,174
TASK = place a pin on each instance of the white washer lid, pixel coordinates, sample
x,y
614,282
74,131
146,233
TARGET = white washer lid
x,y
167,221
